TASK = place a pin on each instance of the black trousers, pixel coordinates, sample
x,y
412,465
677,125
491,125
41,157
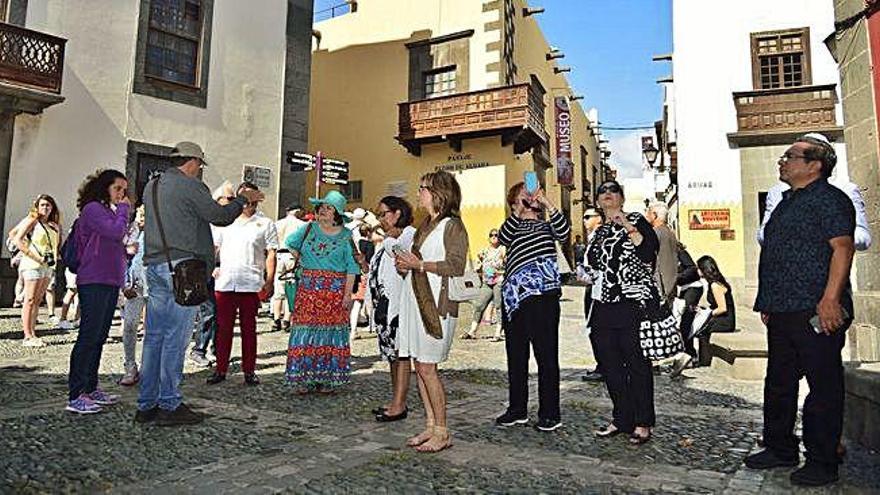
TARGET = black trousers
x,y
535,322
691,297
628,374
588,301
796,350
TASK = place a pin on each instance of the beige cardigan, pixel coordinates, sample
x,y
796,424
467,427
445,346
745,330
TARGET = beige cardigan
x,y
455,242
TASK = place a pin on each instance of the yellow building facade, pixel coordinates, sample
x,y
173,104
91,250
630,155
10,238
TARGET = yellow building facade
x,y
402,88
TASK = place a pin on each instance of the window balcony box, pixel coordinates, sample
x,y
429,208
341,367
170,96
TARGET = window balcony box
x,y
516,113
778,116
31,68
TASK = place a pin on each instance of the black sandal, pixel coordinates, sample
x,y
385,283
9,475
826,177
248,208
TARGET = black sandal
x,y
384,417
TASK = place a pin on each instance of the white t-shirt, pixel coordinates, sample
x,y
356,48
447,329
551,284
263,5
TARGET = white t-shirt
x,y
242,252
388,276
862,238
287,226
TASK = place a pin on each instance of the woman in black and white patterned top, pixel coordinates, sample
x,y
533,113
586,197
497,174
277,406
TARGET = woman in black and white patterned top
x,y
622,254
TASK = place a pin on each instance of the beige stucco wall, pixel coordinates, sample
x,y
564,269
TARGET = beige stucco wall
x,y
360,73
52,152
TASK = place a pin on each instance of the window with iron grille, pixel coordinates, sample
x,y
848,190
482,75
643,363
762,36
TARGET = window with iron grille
x,y
353,191
173,50
781,59
440,82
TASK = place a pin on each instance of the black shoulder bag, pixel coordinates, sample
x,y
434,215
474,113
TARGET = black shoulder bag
x,y
190,277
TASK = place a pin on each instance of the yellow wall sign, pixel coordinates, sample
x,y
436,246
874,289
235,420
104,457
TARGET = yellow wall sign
x,y
709,219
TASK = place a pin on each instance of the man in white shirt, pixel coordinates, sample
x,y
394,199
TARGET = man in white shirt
x,y
246,250
286,226
863,229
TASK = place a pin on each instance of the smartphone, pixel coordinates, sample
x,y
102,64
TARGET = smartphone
x,y
396,249
531,181
817,326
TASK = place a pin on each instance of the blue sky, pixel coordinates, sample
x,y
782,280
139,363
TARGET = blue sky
x,y
609,45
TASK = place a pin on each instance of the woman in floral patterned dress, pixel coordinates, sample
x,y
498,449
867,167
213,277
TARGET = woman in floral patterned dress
x,y
319,349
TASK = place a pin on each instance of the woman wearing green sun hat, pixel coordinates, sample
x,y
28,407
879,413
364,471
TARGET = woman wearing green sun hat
x,y
318,351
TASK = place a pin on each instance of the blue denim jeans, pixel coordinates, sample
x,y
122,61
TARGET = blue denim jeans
x,y
97,303
168,330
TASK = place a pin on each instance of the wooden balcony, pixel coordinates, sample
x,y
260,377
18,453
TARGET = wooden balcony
x,y
774,116
31,68
516,113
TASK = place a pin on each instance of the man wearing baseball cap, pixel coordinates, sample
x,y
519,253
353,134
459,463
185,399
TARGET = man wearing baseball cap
x,y
187,211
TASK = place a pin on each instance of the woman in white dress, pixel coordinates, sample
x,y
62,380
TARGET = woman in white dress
x,y
427,316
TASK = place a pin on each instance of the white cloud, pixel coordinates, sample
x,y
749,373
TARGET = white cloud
x,y
626,153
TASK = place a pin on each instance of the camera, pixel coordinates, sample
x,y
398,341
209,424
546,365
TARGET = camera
x,y
49,259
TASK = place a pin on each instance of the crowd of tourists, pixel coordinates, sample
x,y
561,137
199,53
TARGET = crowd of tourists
x,y
186,264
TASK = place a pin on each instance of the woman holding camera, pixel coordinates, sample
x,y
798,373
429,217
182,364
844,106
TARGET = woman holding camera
x,y
37,237
531,292
623,252
99,233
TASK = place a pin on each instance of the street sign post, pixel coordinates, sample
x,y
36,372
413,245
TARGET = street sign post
x,y
328,170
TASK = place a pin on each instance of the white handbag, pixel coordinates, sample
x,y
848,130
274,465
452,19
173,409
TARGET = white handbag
x,y
562,261
467,287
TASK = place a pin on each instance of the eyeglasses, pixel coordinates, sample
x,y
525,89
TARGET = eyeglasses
x,y
423,187
612,188
787,157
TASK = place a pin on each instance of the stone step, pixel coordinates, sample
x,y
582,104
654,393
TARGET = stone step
x,y
862,412
742,354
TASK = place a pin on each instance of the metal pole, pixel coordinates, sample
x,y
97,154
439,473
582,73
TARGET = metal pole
x,y
319,161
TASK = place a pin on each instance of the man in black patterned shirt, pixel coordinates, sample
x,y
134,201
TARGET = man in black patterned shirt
x,y
805,300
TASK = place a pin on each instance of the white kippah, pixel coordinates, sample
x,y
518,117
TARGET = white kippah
x,y
818,137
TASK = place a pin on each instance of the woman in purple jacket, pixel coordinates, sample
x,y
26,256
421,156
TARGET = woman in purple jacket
x,y
102,224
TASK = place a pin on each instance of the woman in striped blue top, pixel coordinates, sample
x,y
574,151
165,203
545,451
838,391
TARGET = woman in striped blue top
x,y
531,292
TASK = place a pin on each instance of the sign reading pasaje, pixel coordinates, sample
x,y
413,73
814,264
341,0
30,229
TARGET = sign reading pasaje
x,y
717,219
564,165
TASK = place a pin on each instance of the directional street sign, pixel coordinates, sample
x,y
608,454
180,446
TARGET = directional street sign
x,y
340,182
334,171
330,170
300,162
330,174
331,161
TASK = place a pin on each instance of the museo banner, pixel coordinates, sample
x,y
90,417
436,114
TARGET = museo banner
x,y
564,165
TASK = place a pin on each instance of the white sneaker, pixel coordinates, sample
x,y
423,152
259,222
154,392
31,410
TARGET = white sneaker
x,y
33,342
66,325
54,320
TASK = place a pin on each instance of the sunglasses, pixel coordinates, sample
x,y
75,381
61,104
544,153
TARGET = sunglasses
x,y
612,188
493,235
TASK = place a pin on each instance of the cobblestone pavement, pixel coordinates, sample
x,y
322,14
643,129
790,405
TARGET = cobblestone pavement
x,y
267,439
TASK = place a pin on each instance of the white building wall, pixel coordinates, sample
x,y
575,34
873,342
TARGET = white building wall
x,y
712,59
54,151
